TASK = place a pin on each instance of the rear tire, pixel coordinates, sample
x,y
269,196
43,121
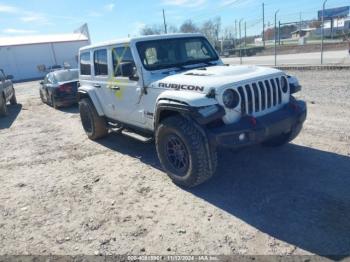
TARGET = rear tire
x,y
95,126
3,106
182,151
13,100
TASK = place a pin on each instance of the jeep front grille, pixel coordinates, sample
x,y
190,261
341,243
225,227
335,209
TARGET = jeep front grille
x,y
260,96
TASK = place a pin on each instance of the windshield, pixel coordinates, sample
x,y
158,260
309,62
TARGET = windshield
x,y
177,52
67,75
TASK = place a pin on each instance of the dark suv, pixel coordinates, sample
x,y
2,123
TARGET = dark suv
x,y
7,92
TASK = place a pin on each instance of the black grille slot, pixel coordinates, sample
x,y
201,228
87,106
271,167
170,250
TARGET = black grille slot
x,y
250,99
274,92
243,100
263,96
256,97
268,91
279,91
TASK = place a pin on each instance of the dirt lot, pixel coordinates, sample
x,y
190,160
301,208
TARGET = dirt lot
x,y
63,194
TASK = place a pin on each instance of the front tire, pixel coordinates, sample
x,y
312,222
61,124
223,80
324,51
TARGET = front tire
x,y
95,126
13,100
3,106
183,152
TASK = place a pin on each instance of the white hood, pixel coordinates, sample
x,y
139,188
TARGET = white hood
x,y
204,79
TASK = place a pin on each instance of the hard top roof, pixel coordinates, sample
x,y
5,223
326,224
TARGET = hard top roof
x,y
127,41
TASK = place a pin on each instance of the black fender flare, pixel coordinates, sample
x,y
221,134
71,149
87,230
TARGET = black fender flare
x,y
188,112
169,107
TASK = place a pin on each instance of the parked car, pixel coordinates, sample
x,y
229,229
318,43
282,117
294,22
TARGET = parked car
x,y
7,92
176,90
59,88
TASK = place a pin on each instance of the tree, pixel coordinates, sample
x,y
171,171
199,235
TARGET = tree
x,y
172,29
189,27
152,30
211,29
229,32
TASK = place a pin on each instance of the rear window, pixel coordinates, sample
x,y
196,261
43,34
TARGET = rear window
x,y
66,76
100,62
85,64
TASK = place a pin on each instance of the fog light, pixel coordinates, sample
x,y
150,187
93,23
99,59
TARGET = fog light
x,y
241,137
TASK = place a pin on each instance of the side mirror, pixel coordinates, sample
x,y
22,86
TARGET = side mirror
x,y
41,82
128,69
9,77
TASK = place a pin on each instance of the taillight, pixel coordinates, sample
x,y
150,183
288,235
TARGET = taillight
x,y
65,88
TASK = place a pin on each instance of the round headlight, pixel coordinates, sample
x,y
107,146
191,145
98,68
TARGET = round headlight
x,y
230,98
284,84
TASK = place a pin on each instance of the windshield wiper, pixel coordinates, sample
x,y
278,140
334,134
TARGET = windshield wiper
x,y
190,64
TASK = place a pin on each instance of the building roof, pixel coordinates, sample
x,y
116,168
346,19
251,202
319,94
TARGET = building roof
x,y
140,38
41,39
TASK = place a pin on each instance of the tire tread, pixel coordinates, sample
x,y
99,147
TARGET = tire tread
x,y
201,168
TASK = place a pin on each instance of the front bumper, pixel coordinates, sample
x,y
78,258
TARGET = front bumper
x,y
249,130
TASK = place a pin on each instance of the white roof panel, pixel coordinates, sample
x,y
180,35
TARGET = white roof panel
x,y
41,39
140,38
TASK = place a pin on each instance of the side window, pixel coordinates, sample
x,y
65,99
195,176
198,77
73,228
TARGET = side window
x,y
120,55
100,62
85,64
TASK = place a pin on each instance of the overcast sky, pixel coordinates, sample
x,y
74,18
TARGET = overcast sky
x,y
111,19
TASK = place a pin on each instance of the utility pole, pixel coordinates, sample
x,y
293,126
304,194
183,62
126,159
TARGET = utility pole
x,y
245,35
263,34
322,31
165,26
236,34
240,43
276,37
300,24
279,32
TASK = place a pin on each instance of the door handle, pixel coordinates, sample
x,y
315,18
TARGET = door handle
x,y
97,85
115,87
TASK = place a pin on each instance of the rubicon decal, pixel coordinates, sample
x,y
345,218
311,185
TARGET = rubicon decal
x,y
182,87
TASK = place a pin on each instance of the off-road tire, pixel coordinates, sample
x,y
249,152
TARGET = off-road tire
x,y
202,164
284,138
13,100
95,126
3,106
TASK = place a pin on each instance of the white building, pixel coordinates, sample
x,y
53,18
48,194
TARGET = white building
x,y
30,57
339,26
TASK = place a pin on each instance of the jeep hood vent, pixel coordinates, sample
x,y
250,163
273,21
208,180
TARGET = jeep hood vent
x,y
198,74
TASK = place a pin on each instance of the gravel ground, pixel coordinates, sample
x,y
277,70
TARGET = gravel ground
x,y
63,194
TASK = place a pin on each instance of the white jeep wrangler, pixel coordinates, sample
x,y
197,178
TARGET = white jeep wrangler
x,y
176,90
